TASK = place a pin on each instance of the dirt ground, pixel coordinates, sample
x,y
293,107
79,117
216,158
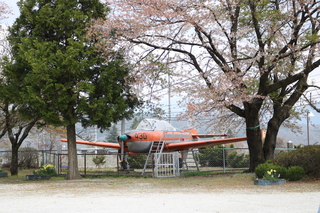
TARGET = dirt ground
x,y
200,194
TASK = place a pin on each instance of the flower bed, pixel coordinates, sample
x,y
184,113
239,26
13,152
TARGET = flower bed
x,y
270,177
3,174
47,169
38,177
269,182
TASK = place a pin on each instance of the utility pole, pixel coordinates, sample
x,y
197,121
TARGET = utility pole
x,y
169,97
309,114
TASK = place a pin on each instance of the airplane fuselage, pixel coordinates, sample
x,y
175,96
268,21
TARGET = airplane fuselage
x,y
140,141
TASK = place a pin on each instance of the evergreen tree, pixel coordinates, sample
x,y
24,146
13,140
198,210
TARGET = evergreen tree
x,y
64,78
113,134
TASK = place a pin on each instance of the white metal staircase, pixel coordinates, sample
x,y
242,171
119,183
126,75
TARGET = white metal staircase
x,y
155,148
191,161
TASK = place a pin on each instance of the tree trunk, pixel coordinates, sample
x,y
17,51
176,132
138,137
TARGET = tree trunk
x,y
271,138
255,147
73,172
254,134
281,113
14,160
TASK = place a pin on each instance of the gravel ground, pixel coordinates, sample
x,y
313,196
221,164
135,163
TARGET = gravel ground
x,y
155,195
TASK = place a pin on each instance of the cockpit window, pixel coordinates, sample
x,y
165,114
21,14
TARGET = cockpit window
x,y
153,124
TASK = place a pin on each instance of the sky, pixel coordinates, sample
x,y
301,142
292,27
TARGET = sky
x,y
315,76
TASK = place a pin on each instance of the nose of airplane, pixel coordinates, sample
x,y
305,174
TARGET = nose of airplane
x,y
123,138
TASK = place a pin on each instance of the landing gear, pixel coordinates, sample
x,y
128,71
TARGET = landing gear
x,y
124,164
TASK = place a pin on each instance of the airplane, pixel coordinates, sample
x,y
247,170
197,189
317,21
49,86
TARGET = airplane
x,y
150,133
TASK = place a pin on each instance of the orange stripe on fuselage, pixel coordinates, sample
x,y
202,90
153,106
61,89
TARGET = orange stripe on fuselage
x,y
156,135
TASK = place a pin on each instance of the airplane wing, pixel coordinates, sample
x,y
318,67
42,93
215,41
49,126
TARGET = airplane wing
x,y
101,144
201,143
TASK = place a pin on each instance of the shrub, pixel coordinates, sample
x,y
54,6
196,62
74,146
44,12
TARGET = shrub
x,y
282,171
211,156
262,169
47,169
137,162
0,170
99,160
295,173
307,157
238,161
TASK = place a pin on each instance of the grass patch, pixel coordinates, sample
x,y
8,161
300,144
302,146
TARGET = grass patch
x,y
22,176
197,173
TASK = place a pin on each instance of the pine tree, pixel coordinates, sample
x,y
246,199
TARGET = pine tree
x,y
113,134
63,76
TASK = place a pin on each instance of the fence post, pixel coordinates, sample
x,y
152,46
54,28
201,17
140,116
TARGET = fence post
x,y
59,164
85,163
224,159
42,163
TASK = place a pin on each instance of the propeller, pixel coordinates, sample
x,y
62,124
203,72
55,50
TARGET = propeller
x,y
123,138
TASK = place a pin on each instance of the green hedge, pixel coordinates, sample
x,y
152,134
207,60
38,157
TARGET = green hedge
x,y
295,173
307,157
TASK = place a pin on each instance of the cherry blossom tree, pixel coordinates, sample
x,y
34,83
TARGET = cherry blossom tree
x,y
250,57
4,50
4,45
4,10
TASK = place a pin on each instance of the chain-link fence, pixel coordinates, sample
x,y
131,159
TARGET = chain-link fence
x,y
28,158
208,159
